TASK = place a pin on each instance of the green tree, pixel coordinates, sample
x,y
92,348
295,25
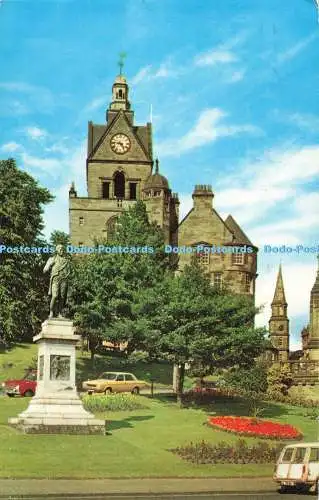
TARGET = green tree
x,y
22,285
251,379
109,289
195,323
59,238
279,380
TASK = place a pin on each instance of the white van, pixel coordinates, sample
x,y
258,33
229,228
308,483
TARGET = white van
x,y
298,465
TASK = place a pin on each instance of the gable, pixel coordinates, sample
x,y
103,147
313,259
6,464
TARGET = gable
x,y
120,125
209,227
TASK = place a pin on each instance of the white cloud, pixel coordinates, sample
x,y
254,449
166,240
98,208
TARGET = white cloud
x,y
50,166
148,73
275,182
207,129
10,147
215,56
96,103
236,76
36,133
296,49
305,121
142,74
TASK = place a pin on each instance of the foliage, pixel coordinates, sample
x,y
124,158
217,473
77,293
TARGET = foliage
x,y
279,380
252,379
113,402
222,453
59,238
107,294
22,285
255,427
192,322
312,413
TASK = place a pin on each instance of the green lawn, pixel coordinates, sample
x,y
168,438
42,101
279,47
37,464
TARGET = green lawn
x,y
137,443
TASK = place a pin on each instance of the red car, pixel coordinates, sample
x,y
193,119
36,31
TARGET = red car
x,y
22,387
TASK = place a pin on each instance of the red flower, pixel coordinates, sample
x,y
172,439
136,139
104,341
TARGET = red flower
x,y
253,427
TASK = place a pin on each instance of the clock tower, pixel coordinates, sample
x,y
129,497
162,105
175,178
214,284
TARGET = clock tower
x,y
119,162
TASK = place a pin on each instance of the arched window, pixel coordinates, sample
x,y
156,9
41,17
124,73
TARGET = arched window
x,y
119,185
111,226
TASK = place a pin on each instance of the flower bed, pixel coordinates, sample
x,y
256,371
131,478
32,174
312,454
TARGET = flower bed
x,y
248,426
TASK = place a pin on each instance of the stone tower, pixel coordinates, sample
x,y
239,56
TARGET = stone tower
x,y
161,204
279,322
313,339
119,160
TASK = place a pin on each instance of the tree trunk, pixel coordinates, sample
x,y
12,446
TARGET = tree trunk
x,y
180,374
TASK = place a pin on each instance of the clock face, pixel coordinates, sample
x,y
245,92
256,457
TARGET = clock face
x,y
120,143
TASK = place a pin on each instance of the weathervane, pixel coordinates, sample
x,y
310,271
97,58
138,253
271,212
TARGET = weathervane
x,y
121,61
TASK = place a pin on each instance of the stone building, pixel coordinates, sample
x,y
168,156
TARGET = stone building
x,y
303,364
120,169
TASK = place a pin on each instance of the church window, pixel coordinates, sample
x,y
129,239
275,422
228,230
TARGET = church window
x,y
237,258
106,190
157,193
81,221
80,243
133,186
218,280
280,328
120,94
280,342
119,185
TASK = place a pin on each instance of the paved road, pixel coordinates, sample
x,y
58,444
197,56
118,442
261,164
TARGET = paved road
x,y
184,496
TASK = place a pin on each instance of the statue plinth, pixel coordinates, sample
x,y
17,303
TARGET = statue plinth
x,y
56,406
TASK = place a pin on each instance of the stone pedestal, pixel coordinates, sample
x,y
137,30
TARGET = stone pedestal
x,y
56,406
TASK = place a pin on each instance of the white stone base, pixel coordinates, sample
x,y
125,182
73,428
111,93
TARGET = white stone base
x,y
57,414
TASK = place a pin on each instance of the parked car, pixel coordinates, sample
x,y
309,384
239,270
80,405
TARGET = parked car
x,y
21,387
298,466
109,382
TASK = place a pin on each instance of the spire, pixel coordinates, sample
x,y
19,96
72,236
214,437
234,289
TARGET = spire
x,y
315,288
156,166
279,296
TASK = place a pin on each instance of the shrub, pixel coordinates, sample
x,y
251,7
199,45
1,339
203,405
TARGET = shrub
x,y
253,380
238,453
112,402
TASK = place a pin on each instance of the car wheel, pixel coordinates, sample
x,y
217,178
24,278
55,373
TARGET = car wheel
x,y
135,390
28,394
108,391
283,489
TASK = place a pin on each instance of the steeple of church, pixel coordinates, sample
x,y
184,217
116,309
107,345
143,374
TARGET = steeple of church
x,y
279,322
279,296
120,92
313,341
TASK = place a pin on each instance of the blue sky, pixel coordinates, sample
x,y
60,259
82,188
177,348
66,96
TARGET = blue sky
x,y
234,92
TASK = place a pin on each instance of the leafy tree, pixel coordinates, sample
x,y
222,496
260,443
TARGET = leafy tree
x,y
193,322
22,285
252,379
59,238
279,380
109,289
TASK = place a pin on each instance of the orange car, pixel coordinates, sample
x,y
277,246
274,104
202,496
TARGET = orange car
x,y
109,382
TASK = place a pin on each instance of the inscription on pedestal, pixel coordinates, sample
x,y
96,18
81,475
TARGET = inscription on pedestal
x,y
59,367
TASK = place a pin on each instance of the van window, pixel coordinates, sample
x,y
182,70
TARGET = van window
x,y
299,456
314,455
287,455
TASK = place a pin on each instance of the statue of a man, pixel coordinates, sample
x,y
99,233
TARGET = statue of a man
x,y
58,290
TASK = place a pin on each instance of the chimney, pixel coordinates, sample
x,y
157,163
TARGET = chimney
x,y
203,197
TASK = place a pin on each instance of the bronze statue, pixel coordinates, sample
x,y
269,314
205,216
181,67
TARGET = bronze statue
x,y
58,290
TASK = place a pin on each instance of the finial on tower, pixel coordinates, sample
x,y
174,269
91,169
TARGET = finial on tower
x,y
122,56
156,166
